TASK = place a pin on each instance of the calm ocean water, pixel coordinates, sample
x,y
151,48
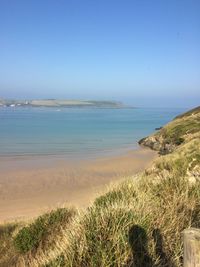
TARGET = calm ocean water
x,y
75,132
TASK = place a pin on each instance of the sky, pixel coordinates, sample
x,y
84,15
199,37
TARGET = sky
x,y
141,52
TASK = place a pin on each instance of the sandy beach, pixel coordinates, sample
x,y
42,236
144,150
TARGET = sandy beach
x,y
30,186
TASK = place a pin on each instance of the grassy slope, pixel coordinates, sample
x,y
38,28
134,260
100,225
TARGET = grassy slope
x,y
179,131
136,223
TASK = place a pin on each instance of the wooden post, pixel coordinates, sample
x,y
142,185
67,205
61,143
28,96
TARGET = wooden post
x,y
191,242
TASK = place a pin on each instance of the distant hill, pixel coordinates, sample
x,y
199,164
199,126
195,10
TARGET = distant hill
x,y
61,103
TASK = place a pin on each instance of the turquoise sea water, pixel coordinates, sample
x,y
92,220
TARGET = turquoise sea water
x,y
76,132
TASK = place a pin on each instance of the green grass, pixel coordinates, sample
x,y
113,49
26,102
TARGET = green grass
x,y
116,196
174,134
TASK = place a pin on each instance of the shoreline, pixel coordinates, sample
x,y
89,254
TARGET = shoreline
x,y
46,160
29,188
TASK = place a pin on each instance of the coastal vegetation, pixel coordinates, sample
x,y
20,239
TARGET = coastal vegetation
x,y
177,132
30,237
138,222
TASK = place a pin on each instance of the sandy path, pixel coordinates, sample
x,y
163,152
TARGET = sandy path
x,y
28,187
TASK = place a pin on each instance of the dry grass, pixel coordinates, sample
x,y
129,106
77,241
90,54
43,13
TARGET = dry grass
x,y
8,253
184,162
137,223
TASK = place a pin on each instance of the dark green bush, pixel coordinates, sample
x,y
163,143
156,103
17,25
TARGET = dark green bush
x,y
179,141
29,237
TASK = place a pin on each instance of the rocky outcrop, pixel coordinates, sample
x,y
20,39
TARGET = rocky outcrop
x,y
177,132
158,144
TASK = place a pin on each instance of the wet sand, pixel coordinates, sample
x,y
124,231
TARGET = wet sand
x,y
30,186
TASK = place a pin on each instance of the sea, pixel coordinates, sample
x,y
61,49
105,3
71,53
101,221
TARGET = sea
x,y
77,132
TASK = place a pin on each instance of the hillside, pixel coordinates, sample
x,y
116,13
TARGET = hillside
x,y
61,103
138,222
179,131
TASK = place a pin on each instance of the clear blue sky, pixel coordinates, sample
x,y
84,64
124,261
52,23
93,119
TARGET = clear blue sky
x,y
146,53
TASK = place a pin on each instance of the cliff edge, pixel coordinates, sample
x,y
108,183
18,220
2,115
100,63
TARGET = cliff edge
x,y
179,131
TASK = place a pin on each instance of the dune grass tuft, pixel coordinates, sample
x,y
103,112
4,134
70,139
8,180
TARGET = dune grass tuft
x,y
7,251
29,237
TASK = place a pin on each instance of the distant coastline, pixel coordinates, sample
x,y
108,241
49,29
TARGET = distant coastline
x,y
61,103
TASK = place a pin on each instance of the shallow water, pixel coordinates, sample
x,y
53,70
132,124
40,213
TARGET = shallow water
x,y
77,132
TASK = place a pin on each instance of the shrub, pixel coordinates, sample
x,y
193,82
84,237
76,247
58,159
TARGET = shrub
x,y
179,141
29,237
